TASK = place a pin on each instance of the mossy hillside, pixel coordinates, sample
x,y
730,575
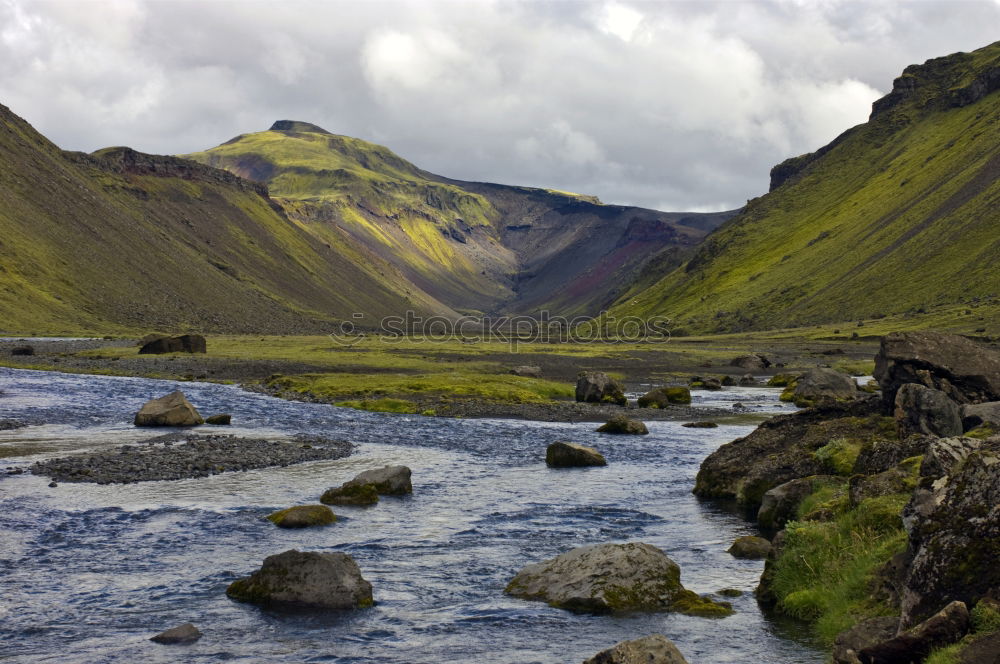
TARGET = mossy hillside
x,y
898,216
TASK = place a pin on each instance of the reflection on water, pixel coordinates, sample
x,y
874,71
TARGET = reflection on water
x,y
90,572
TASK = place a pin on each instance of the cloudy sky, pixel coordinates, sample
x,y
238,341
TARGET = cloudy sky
x,y
673,105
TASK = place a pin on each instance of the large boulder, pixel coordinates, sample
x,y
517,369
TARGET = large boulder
x,y
623,425
562,454
753,362
784,448
172,410
185,343
750,547
962,369
653,649
822,384
664,397
388,480
305,579
868,632
944,628
953,522
977,414
23,350
923,410
881,455
186,633
598,387
611,577
303,516
780,504
361,495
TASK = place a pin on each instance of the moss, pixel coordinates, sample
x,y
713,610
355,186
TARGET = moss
x,y
677,395
692,604
303,516
352,494
782,380
838,456
807,604
986,617
982,432
386,405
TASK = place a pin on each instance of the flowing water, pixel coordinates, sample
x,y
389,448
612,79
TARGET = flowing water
x,y
88,573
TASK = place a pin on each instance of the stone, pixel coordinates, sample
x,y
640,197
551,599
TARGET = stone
x,y
222,419
901,479
527,371
754,362
562,454
822,384
172,410
700,383
984,650
359,495
944,628
622,425
881,455
780,504
653,649
748,380
868,632
750,547
612,577
305,579
185,343
22,350
700,425
962,369
598,387
975,415
303,516
664,397
953,523
922,410
186,633
727,381
388,480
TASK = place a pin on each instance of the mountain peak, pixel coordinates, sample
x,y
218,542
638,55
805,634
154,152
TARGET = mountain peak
x,y
297,125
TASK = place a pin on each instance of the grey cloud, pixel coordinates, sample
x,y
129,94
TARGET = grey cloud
x,y
681,105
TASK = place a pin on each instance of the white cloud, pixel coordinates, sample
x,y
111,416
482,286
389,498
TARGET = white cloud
x,y
619,20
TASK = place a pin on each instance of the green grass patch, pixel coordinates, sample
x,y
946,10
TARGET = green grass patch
x,y
838,456
381,405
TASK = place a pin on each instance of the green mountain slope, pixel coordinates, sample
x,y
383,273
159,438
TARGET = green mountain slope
x,y
901,214
477,247
120,241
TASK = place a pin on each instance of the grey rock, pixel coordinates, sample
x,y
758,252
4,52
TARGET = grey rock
x,y
563,454
186,633
974,415
881,455
598,387
305,579
754,362
620,424
868,632
172,410
748,380
780,504
750,547
388,480
653,649
944,628
527,371
922,410
820,384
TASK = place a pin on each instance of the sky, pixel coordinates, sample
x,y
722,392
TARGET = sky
x,y
670,105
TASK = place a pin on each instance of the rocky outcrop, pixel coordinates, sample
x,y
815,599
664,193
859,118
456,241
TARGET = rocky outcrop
x,y
186,633
562,454
750,547
817,385
753,362
172,410
527,371
305,579
922,410
653,649
611,577
622,425
965,371
783,449
185,343
598,387
303,516
944,628
664,397
953,522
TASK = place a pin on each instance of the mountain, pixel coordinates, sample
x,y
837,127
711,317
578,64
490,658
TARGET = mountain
x,y
119,240
900,215
477,247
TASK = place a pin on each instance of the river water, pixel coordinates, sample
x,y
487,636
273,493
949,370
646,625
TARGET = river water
x,y
88,573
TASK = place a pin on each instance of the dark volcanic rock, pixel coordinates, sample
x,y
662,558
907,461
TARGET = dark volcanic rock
x,y
944,628
901,479
185,343
598,387
305,579
222,419
663,397
8,425
881,455
23,350
358,495
868,632
965,371
186,633
653,649
562,454
922,410
623,425
172,410
747,380
817,385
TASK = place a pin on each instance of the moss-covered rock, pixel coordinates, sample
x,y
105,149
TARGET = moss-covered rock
x,y
305,579
664,397
563,454
750,547
303,516
598,387
358,495
654,649
619,424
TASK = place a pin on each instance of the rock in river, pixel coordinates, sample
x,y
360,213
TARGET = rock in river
x,y
822,384
305,579
172,410
388,480
653,649
563,454
186,633
303,516
664,397
222,419
598,387
359,495
750,547
623,425
612,577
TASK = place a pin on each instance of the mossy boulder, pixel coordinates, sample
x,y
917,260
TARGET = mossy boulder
x,y
305,579
976,415
357,495
612,577
222,419
562,454
598,387
664,397
653,649
388,480
619,424
782,380
303,516
817,385
171,410
704,383
901,479
750,547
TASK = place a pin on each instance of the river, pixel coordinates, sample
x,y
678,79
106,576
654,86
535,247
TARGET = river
x,y
88,573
